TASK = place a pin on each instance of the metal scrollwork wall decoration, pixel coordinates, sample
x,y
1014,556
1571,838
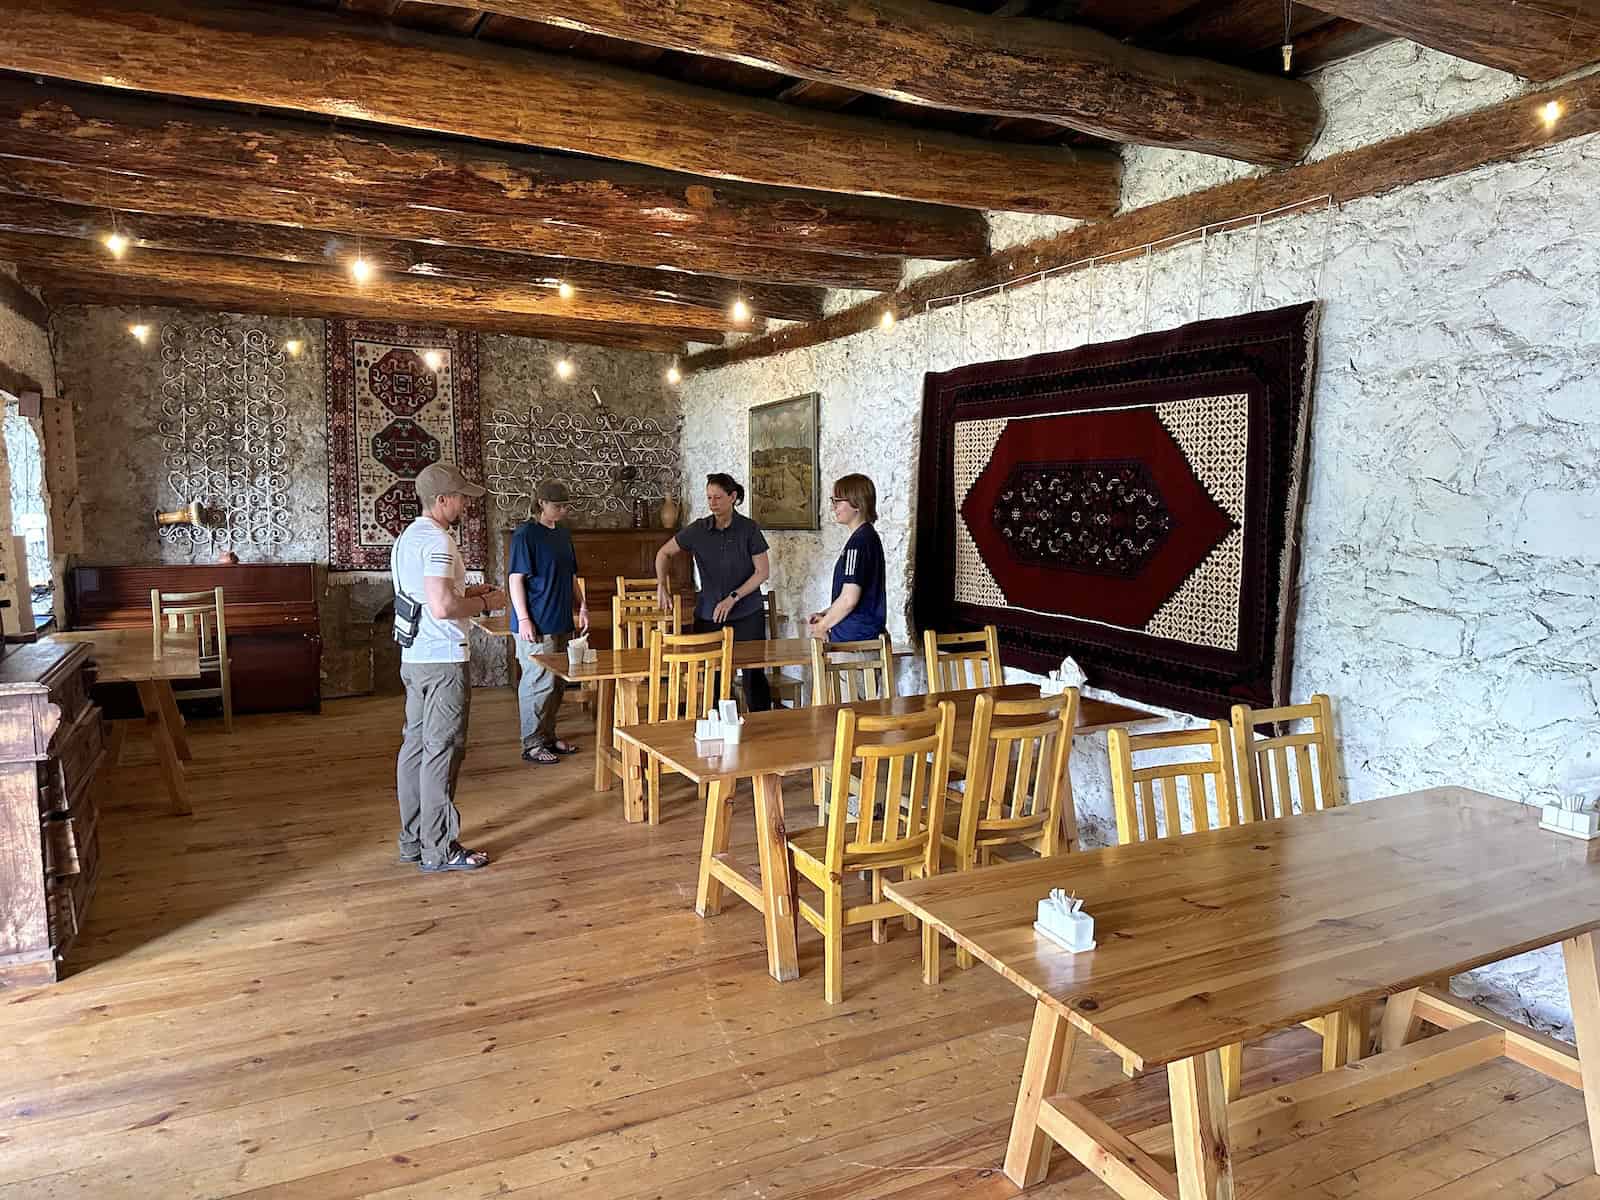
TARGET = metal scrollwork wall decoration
x,y
223,428
608,461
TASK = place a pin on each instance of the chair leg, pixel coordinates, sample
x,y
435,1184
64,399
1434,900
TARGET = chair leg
x,y
880,926
227,702
833,944
817,793
1232,1068
654,789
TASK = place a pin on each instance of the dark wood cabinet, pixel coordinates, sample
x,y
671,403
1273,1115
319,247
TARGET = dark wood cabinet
x,y
52,748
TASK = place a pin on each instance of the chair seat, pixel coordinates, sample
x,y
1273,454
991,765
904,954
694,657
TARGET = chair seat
x,y
810,847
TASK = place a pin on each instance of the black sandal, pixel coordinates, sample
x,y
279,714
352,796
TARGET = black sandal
x,y
460,859
564,748
542,755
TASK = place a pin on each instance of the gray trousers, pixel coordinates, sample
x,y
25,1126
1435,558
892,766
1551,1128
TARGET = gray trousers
x,y
539,692
438,703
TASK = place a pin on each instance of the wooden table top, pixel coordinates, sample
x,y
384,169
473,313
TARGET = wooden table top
x,y
1225,936
797,739
127,655
635,664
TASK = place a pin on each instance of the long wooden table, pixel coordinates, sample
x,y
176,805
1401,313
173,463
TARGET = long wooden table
x,y
617,675
781,742
128,656
1215,938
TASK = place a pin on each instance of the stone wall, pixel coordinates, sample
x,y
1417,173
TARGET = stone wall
x,y
114,384
1448,596
25,362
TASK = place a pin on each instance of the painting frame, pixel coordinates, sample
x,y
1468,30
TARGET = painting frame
x,y
768,431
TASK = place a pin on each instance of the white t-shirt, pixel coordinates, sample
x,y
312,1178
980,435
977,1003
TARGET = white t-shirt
x,y
426,548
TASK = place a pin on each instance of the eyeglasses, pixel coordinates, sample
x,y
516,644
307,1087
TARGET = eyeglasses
x,y
839,500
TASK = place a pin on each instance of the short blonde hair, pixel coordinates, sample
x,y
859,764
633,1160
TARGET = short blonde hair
x,y
860,492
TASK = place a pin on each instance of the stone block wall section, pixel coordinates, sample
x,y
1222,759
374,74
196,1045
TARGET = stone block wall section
x,y
1448,594
25,362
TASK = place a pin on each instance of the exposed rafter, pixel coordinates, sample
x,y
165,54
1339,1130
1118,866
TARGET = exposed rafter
x,y
1540,41
691,293
340,66
947,57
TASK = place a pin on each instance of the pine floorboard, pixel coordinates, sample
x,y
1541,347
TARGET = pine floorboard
x,y
265,1004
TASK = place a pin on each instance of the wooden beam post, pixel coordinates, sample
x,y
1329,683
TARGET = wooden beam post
x,y
1539,41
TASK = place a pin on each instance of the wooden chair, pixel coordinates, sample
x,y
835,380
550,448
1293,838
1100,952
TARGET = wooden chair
x,y
634,619
636,589
203,614
897,828
785,688
957,661
689,674
841,673
1268,762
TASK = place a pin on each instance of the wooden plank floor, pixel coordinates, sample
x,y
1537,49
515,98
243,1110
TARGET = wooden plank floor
x,y
265,1004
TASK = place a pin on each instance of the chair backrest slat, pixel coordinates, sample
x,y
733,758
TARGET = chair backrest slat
x,y
1150,799
1271,755
958,661
689,674
845,672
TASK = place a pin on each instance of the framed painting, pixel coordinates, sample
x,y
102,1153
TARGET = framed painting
x,y
785,472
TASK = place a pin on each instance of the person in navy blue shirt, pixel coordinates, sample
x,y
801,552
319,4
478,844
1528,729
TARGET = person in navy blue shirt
x,y
544,590
860,608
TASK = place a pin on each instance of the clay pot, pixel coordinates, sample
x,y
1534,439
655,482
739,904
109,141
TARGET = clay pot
x,y
671,510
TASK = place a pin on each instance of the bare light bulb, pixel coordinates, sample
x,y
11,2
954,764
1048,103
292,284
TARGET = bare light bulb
x,y
360,269
117,244
564,290
887,320
1551,113
141,333
293,347
674,376
740,310
564,368
433,358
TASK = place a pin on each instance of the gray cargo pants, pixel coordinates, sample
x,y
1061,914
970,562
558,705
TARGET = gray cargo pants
x,y
539,692
438,702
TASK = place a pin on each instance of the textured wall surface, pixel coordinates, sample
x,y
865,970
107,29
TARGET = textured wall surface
x,y
24,354
114,383
1448,589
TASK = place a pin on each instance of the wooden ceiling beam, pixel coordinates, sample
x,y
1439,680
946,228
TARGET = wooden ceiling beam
x,y
328,288
949,58
697,297
132,133
263,204
72,287
1539,41
250,53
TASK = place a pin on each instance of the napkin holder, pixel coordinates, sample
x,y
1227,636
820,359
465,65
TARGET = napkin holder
x,y
1575,819
1063,921
716,728
578,650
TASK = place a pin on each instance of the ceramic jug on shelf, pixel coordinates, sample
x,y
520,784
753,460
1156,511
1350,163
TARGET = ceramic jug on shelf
x,y
671,510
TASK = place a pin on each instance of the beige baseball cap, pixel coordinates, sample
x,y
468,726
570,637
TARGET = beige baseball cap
x,y
444,479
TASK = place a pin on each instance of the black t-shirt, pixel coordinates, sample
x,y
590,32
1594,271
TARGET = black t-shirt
x,y
861,563
725,558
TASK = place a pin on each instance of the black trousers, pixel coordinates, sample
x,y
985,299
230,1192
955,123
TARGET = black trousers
x,y
751,628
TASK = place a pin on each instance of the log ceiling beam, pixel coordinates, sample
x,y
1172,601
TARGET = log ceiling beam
x,y
264,204
950,58
1499,133
323,289
70,287
698,298
1539,41
249,53
131,133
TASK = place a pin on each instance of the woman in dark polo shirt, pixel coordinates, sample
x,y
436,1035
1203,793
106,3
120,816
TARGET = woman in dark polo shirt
x,y
730,556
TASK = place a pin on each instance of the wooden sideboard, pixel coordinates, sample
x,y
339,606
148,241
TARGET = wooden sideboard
x,y
274,630
603,554
52,745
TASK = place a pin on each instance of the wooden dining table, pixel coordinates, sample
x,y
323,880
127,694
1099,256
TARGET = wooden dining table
x,y
617,676
1215,938
782,742
129,656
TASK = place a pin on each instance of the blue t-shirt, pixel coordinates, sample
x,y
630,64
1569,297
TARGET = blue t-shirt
x,y
548,560
861,563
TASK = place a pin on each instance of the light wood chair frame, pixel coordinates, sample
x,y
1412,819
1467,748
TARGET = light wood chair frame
x,y
634,619
954,658
1264,762
904,836
689,674
784,687
636,588
844,672
203,614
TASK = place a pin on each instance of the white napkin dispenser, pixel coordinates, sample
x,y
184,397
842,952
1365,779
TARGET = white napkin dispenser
x,y
577,649
1063,921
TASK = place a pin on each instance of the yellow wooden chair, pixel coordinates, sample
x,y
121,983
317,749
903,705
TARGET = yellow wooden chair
x,y
634,619
1281,773
786,689
895,828
958,661
636,588
689,674
203,614
842,673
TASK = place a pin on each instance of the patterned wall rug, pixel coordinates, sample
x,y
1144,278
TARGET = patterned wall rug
x,y
1135,505
389,415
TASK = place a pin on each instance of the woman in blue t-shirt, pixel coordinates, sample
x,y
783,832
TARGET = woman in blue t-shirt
x,y
860,608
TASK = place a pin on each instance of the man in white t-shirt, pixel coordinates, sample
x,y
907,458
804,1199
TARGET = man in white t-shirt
x,y
427,567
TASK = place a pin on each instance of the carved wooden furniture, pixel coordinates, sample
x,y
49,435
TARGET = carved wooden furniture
x,y
783,742
897,828
204,615
52,745
1267,762
1252,928
956,661
128,656
274,630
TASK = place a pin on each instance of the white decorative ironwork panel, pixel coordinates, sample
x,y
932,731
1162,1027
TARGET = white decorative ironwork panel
x,y
223,427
